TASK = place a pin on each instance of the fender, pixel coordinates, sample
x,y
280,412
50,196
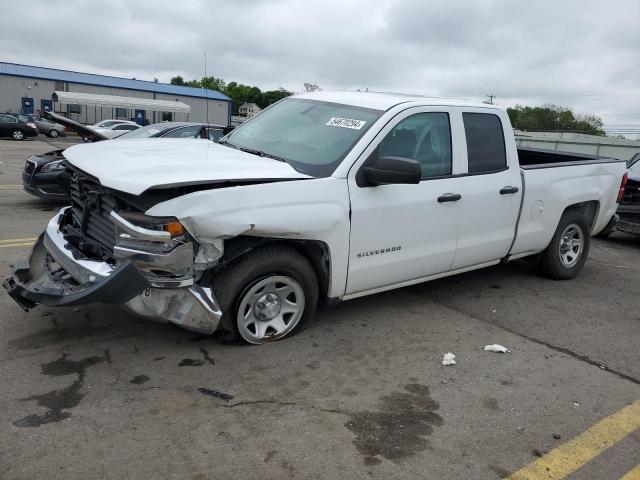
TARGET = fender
x,y
314,209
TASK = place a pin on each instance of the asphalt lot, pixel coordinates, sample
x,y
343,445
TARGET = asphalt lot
x,y
96,393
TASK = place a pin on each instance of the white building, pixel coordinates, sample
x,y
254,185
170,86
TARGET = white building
x,y
249,110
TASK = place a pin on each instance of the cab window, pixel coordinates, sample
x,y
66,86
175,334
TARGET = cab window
x,y
485,142
424,137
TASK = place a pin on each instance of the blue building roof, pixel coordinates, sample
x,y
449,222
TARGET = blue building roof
x,y
16,69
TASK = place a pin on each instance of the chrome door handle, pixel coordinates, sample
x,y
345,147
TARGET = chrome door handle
x,y
449,197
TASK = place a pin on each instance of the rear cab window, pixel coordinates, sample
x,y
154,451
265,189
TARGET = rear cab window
x,y
486,150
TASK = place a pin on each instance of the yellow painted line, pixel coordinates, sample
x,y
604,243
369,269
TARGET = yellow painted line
x,y
7,245
570,456
10,186
15,240
632,475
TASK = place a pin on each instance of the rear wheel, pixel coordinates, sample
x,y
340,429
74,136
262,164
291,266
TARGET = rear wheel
x,y
53,133
271,293
567,252
17,134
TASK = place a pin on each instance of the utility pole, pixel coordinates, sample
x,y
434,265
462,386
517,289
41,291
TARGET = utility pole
x,y
206,90
491,97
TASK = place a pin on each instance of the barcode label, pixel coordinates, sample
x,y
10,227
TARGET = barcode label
x,y
346,123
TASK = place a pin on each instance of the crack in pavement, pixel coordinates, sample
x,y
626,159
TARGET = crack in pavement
x,y
283,404
566,351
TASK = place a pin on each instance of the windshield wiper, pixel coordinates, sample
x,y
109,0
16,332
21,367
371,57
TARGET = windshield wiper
x,y
260,153
227,142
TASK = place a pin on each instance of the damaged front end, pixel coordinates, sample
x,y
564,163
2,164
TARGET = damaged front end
x,y
101,250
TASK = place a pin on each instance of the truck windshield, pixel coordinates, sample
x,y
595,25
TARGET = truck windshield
x,y
312,136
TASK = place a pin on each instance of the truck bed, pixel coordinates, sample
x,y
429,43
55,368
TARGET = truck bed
x,y
532,158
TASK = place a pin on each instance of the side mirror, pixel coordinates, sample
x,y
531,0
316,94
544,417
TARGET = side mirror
x,y
392,170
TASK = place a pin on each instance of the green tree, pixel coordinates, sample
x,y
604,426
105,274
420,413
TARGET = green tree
x,y
552,118
177,80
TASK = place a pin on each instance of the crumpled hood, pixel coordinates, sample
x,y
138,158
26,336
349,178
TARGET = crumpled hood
x,y
136,165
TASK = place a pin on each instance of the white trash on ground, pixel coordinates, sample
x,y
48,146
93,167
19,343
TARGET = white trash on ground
x,y
449,359
496,348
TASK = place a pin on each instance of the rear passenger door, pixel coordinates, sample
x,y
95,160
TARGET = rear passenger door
x,y
7,123
492,189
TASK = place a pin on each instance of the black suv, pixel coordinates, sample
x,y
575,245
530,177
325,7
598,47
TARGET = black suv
x,y
16,128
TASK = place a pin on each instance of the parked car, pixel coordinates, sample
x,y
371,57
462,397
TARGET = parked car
x,y
16,128
47,127
324,196
110,122
43,175
179,130
117,129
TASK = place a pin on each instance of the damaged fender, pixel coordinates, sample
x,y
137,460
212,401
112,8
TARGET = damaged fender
x,y
289,210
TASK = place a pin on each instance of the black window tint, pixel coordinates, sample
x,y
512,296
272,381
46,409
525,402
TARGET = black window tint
x,y
424,137
485,142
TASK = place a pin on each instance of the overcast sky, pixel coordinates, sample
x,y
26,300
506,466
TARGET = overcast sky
x,y
580,54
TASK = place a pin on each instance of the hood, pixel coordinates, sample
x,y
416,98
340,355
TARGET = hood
x,y
136,165
85,132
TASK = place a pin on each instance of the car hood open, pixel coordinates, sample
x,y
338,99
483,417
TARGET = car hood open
x,y
85,132
136,165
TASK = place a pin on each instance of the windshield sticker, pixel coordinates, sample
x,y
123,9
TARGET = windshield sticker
x,y
346,123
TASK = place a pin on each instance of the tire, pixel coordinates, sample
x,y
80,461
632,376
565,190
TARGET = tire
x,y
53,133
17,134
268,294
568,250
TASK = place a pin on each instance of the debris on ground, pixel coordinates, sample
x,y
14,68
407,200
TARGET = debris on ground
x,y
496,348
449,359
557,436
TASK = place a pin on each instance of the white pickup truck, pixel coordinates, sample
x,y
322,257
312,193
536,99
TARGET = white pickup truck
x,y
321,197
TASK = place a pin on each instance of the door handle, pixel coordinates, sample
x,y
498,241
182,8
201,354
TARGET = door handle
x,y
508,190
449,197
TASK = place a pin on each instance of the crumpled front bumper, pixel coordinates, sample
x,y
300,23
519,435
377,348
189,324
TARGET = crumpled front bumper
x,y
56,275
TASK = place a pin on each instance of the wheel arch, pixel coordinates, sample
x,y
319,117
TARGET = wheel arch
x,y
588,209
316,252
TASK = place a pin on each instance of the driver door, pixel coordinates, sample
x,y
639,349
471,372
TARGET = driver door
x,y
403,233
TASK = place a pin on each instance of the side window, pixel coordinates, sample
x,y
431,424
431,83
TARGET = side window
x,y
8,119
424,137
185,132
125,127
485,142
214,134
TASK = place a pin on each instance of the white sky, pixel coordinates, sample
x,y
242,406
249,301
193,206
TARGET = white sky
x,y
581,54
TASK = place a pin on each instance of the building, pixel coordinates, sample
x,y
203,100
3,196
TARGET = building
x,y
249,110
579,143
89,98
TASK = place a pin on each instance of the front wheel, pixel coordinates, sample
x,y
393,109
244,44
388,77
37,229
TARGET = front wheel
x,y
271,293
17,135
53,133
567,252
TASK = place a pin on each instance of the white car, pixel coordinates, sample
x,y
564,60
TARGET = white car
x,y
109,123
321,197
115,130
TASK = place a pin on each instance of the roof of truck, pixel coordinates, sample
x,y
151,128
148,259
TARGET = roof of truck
x,y
386,100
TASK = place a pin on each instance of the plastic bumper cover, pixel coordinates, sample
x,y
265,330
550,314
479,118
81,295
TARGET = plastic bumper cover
x,y
79,281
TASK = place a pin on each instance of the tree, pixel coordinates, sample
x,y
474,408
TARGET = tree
x,y
177,80
237,92
310,87
554,118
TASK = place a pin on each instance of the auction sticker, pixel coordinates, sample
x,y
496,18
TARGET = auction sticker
x,y
346,123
